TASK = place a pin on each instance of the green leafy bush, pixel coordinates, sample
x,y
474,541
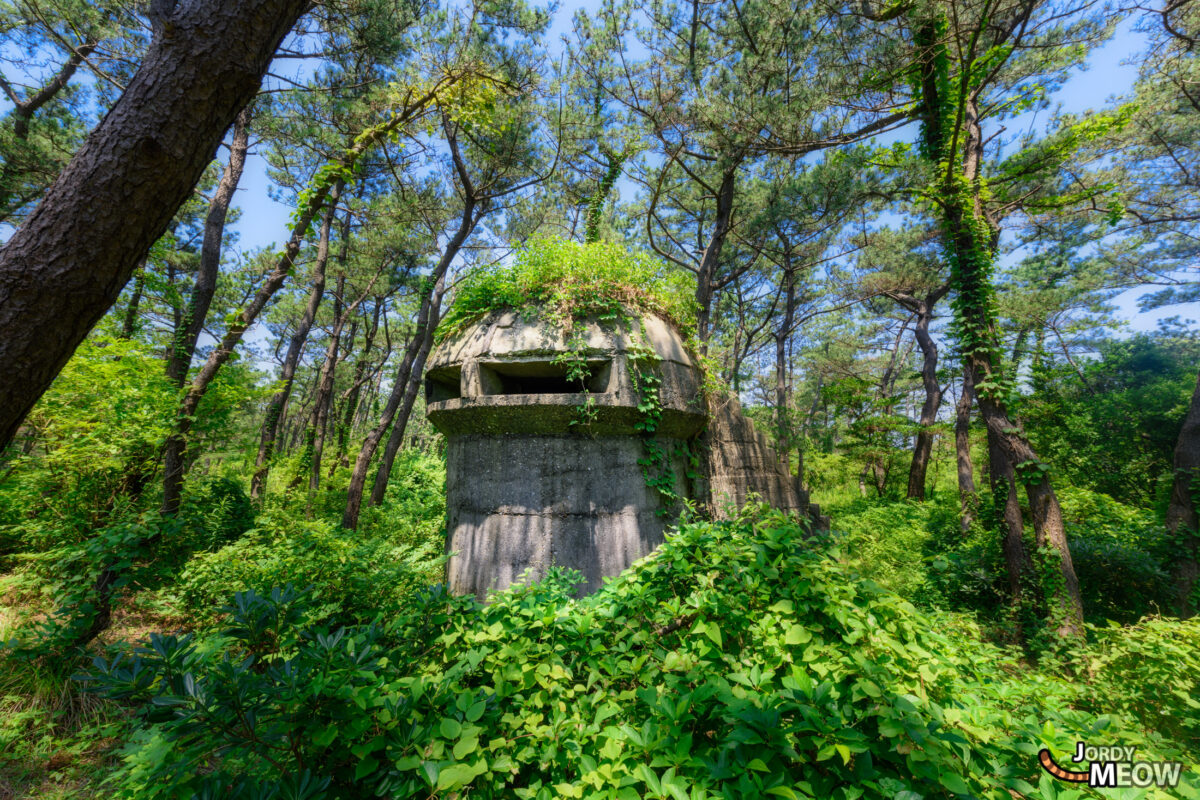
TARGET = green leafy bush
x,y
215,512
1151,672
565,279
740,660
1121,556
351,577
919,551
1114,430
88,447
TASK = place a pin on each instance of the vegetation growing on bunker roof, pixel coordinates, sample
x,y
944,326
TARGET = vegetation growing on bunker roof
x,y
562,280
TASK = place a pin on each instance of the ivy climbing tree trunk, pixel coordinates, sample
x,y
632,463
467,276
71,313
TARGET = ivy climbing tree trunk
x,y
1007,502
1182,520
952,141
967,496
64,268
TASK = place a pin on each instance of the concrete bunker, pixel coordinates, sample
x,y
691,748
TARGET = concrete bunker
x,y
546,460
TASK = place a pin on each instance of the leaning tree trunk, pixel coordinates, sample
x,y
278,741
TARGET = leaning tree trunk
x,y
967,497
351,396
358,477
929,410
1182,519
187,334
64,268
396,437
275,406
175,449
324,398
129,326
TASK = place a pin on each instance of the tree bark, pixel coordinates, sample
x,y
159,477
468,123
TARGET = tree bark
x,y
358,477
706,275
353,394
782,433
324,396
929,409
278,401
1182,519
129,326
1008,507
967,496
187,334
64,268
396,437
176,444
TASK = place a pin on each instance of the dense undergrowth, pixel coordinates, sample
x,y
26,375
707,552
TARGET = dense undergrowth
x,y
740,660
1121,555
262,651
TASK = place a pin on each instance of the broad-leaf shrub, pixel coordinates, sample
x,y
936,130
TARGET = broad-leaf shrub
x,y
740,660
1151,672
1121,555
349,576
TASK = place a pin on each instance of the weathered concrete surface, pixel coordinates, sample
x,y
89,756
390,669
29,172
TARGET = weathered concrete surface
x,y
740,461
520,503
530,486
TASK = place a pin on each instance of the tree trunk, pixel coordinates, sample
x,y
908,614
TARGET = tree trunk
x,y
929,410
358,478
968,499
355,391
176,444
1008,512
1182,519
278,401
706,275
396,438
324,396
782,438
1063,598
187,334
129,326
64,268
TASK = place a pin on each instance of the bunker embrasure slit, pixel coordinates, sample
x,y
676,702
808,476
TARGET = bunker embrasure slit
x,y
543,377
443,384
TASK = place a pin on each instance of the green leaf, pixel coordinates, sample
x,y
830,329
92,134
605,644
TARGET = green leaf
x,y
465,747
456,776
797,634
954,783
450,728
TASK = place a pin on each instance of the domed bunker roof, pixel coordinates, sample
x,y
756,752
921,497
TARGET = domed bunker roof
x,y
515,372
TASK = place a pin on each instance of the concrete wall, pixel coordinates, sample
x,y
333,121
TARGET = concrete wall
x,y
529,502
528,487
739,460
